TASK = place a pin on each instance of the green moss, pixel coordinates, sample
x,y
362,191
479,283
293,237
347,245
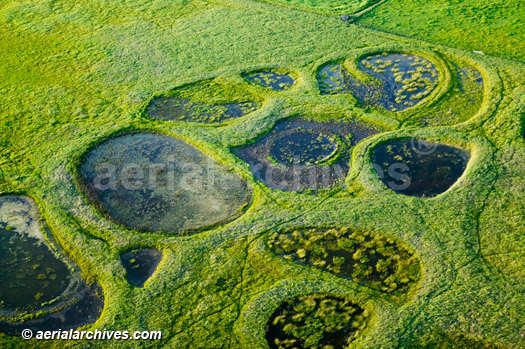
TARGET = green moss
x,y
76,73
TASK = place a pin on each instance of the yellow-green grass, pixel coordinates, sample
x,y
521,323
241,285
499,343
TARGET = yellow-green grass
x,y
493,27
74,73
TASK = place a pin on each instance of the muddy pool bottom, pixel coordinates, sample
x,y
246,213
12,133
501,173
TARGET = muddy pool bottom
x,y
175,108
157,183
300,155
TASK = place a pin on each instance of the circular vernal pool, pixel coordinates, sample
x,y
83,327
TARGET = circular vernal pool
x,y
153,182
419,168
303,147
315,321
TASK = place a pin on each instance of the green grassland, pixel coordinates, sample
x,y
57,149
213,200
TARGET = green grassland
x,y
332,7
493,27
75,73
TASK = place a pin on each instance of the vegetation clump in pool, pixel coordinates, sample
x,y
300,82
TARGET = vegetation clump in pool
x,y
26,261
298,154
37,284
303,147
207,102
371,259
273,80
403,80
315,321
419,168
140,264
152,182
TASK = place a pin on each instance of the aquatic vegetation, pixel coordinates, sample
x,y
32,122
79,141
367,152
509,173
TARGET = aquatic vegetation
x,y
303,147
298,154
370,259
273,80
39,288
405,80
78,73
207,102
178,109
153,182
419,168
316,321
27,262
140,264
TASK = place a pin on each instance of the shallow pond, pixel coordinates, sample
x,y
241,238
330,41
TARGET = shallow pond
x,y
35,277
302,147
298,154
31,274
370,259
419,168
402,80
275,81
180,109
315,321
140,264
152,182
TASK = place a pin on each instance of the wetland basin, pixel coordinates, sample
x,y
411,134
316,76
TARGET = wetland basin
x,y
373,260
36,278
298,154
211,101
158,183
272,80
140,264
419,168
401,80
175,108
315,321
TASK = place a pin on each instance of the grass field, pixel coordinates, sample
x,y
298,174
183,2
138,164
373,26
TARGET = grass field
x,y
74,74
337,7
493,27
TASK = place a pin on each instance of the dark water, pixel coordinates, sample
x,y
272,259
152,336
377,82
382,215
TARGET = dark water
x,y
419,168
301,147
140,264
31,274
180,109
152,182
290,156
36,278
404,80
83,308
319,321
270,79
